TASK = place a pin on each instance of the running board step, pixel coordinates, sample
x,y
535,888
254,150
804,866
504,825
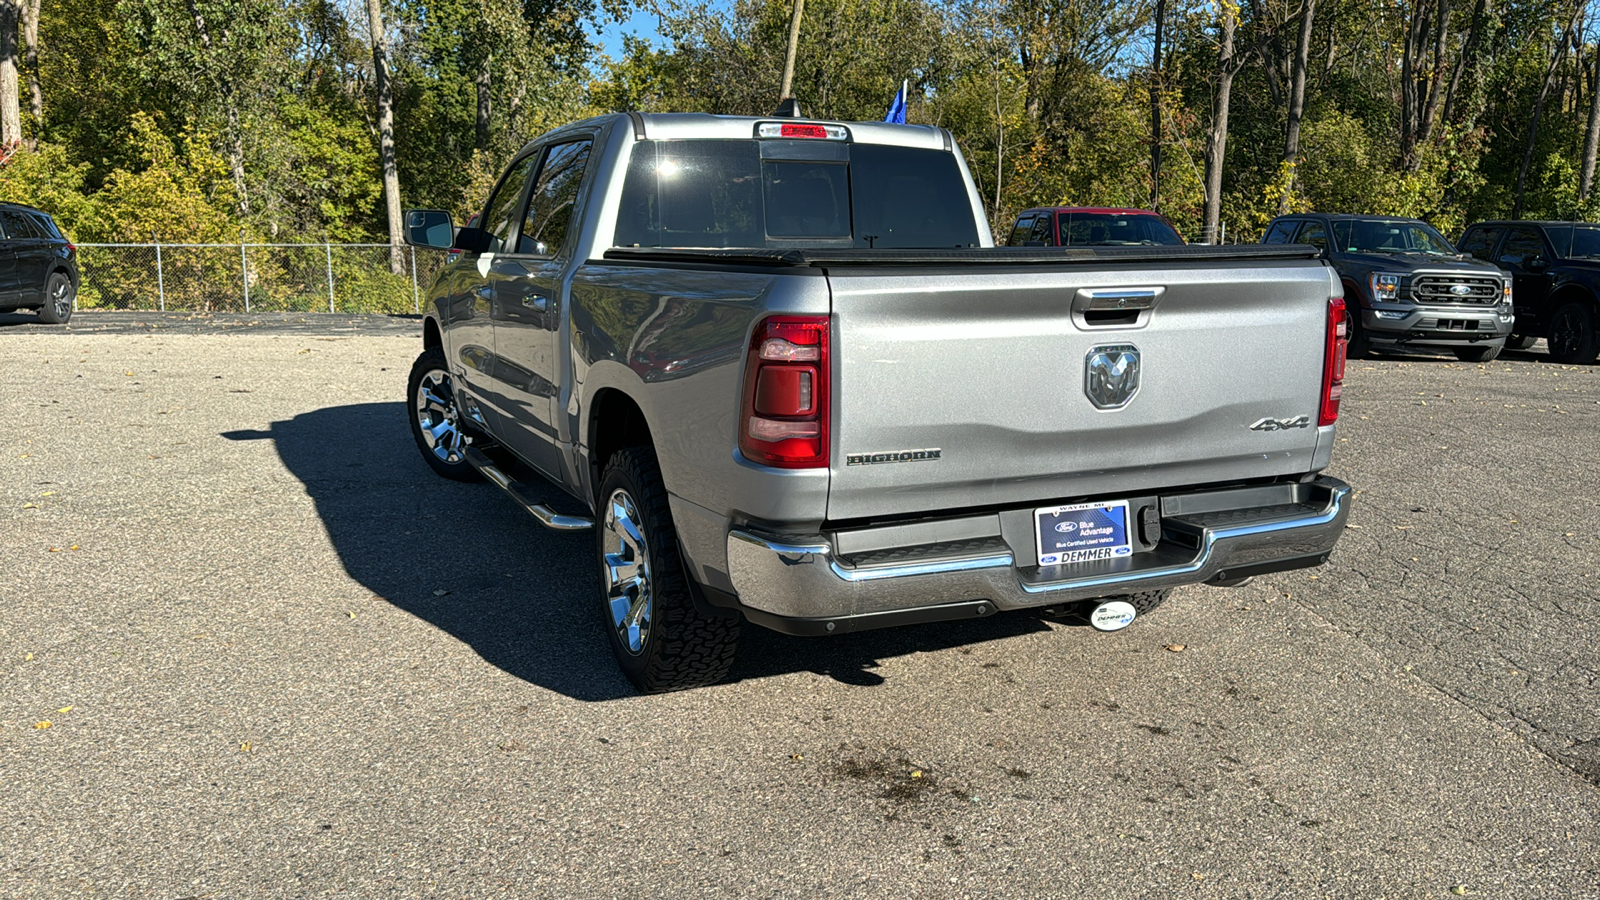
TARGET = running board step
x,y
540,510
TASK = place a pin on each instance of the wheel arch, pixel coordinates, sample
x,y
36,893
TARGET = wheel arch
x,y
432,335
615,420
1573,292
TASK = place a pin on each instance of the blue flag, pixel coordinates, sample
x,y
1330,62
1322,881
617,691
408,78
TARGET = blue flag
x,y
897,109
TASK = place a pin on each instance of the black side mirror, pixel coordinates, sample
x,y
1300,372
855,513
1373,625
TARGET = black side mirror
x,y
1536,264
429,228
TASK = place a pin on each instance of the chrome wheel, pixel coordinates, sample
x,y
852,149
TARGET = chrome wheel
x,y
627,572
438,417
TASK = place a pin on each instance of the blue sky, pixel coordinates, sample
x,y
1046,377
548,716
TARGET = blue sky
x,y
643,23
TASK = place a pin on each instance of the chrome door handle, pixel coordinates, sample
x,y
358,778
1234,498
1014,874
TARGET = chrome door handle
x,y
537,302
484,292
1135,298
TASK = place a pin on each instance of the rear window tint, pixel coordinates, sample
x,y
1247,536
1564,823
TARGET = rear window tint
x,y
705,193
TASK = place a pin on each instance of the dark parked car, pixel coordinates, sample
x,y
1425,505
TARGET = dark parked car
x,y
38,265
1091,226
1405,286
1556,266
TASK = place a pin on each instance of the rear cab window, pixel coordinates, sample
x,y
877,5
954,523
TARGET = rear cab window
x,y
793,193
1117,229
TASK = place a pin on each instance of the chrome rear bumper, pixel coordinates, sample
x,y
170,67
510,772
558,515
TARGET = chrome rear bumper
x,y
803,586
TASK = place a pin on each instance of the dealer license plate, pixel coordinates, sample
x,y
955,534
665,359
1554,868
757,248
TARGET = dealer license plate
x,y
1082,532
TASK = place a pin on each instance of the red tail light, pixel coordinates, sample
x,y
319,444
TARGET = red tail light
x,y
1333,362
785,420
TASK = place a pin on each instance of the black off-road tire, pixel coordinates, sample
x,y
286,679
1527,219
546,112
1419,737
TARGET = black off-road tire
x,y
1146,601
58,298
1572,338
443,446
1356,344
681,647
1477,354
1521,341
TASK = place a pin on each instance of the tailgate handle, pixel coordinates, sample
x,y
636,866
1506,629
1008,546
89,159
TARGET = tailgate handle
x,y
1116,299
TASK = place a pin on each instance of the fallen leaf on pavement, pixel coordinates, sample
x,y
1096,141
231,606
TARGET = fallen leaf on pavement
x,y
1176,648
43,725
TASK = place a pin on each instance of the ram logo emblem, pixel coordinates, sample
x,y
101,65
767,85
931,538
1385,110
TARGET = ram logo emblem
x,y
1111,375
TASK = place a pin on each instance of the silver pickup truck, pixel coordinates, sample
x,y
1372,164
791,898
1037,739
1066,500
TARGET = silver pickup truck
x,y
779,368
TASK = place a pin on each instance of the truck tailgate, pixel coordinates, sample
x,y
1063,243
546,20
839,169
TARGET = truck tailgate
x,y
987,365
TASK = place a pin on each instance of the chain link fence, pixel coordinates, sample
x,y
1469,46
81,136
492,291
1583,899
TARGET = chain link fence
x,y
343,278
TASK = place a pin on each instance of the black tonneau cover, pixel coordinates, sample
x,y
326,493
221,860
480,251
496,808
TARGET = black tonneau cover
x,y
759,256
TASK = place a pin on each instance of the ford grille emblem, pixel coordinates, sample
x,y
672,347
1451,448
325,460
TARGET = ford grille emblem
x,y
1111,376
1461,290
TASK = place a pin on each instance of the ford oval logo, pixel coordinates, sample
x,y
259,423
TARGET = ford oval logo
x,y
1461,290
1111,375
1066,527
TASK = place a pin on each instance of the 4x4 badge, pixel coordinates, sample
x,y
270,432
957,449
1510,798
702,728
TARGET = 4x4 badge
x,y
1282,424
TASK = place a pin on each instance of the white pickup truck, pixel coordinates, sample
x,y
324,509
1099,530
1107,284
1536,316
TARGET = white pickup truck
x,y
779,368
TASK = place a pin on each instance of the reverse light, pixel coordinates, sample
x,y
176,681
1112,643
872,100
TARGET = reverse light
x,y
802,130
785,411
1333,362
1385,288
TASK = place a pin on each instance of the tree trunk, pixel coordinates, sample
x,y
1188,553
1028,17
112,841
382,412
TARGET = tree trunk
x,y
10,99
1417,28
483,84
1591,137
1533,123
1297,104
787,88
1467,62
30,33
1217,143
386,160
1155,110
235,135
1430,110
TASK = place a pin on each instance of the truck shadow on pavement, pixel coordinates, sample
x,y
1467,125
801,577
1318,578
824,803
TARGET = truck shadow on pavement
x,y
463,558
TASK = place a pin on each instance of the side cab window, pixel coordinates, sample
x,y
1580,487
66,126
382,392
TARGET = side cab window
x,y
1280,231
19,226
1479,242
1019,232
1523,245
1040,236
548,217
1315,234
501,212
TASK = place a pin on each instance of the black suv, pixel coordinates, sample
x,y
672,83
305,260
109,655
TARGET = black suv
x,y
1405,286
38,265
1556,266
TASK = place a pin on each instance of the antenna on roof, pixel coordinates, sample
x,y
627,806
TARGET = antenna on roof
x,y
788,109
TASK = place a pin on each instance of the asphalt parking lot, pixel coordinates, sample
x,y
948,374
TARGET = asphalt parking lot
x,y
251,647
